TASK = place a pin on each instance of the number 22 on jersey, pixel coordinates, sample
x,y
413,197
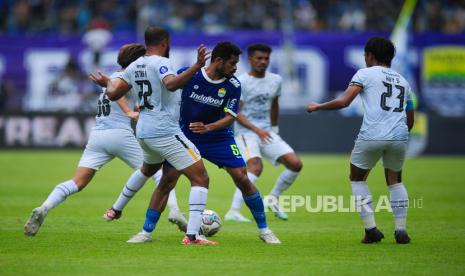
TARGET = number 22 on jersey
x,y
145,91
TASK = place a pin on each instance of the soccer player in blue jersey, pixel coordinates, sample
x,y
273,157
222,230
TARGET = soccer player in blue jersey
x,y
209,104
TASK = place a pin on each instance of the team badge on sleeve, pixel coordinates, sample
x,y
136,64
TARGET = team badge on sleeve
x,y
221,92
163,69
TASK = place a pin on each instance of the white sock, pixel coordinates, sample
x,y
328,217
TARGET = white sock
x,y
197,201
399,204
238,198
60,193
364,202
172,200
284,181
133,185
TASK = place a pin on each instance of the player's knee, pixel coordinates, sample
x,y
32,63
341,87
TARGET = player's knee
x,y
149,170
201,179
295,166
241,179
255,166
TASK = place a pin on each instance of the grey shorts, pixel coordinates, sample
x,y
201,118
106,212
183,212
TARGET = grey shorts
x,y
366,154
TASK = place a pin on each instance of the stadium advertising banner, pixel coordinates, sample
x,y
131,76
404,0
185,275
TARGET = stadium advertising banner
x,y
44,130
50,73
443,79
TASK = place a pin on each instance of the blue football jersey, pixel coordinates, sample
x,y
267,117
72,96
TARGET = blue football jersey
x,y
207,101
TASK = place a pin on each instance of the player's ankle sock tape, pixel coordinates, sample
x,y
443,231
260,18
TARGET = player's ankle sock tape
x,y
255,204
151,218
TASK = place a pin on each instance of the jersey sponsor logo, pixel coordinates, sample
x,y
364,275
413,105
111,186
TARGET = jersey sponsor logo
x,y
221,92
163,69
206,99
232,103
235,82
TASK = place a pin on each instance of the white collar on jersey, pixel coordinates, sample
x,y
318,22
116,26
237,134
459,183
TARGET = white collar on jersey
x,y
210,80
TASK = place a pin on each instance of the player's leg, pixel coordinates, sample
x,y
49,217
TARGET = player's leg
x,y
135,182
172,199
184,157
127,148
393,160
279,152
61,191
174,216
254,202
249,147
364,157
156,205
198,177
92,159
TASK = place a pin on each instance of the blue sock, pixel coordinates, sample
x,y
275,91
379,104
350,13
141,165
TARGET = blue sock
x,y
151,218
255,204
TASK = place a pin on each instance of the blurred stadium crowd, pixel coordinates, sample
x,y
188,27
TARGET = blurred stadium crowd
x,y
213,16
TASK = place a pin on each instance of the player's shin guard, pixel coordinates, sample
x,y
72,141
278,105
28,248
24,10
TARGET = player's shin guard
x,y
135,182
255,204
197,201
60,193
399,204
364,203
151,218
284,181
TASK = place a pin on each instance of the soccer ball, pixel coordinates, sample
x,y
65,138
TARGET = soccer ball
x,y
211,223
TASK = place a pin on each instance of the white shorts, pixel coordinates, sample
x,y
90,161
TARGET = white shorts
x,y
366,154
179,151
104,145
251,146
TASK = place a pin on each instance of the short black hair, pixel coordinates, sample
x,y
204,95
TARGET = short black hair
x,y
128,53
258,47
155,35
225,50
383,49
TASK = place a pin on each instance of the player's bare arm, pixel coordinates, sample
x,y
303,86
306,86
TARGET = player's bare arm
x,y
116,88
172,83
263,134
340,102
124,105
274,114
201,128
410,119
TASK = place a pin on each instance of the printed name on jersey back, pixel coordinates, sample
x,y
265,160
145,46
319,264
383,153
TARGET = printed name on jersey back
x,y
140,74
391,77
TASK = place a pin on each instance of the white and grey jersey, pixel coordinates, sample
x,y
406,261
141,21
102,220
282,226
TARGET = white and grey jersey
x,y
257,97
109,114
158,106
384,96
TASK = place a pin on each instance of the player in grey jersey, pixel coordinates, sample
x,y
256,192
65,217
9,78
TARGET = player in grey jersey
x,y
387,120
158,130
111,137
257,134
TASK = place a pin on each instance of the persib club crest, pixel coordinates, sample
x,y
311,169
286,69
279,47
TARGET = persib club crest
x,y
221,92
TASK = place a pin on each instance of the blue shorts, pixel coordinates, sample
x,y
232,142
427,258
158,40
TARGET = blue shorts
x,y
222,152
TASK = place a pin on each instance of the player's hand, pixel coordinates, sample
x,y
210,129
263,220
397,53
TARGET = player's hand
x,y
264,135
134,115
99,78
202,56
312,107
199,128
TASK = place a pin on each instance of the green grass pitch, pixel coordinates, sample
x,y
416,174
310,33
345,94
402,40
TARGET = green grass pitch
x,y
76,240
